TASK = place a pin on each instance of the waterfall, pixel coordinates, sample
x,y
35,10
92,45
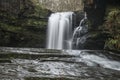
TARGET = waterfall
x,y
60,34
60,31
79,32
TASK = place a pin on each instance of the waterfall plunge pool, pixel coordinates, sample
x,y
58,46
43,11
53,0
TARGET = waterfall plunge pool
x,y
47,64
56,63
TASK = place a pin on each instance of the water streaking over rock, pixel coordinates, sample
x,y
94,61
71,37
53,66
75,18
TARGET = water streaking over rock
x,y
60,31
60,34
97,58
40,64
79,32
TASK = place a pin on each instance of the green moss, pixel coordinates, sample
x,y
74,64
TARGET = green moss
x,y
112,28
40,11
33,22
26,28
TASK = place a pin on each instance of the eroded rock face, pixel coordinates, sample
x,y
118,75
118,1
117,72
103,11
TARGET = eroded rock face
x,y
62,5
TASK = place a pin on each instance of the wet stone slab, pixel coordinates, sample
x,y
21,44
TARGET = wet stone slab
x,y
61,65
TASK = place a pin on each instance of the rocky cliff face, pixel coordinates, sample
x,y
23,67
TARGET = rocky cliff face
x,y
22,23
62,5
96,11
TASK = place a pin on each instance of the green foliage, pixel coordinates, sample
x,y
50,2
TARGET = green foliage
x,y
112,27
26,28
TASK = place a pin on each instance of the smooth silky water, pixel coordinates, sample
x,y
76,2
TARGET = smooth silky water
x,y
40,64
60,31
59,61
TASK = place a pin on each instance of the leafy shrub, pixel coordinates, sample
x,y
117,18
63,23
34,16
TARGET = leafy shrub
x,y
112,27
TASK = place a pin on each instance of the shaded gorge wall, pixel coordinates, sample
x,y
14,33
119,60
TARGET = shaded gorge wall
x,y
22,23
96,12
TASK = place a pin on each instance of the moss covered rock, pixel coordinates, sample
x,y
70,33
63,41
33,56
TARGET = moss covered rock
x,y
22,23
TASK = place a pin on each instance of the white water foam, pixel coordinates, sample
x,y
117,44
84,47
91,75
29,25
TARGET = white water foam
x,y
60,31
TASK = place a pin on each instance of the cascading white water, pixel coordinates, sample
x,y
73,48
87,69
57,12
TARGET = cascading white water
x,y
80,30
60,31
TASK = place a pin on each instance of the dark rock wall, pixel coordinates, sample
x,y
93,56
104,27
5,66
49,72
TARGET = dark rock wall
x,y
94,39
113,2
22,23
96,11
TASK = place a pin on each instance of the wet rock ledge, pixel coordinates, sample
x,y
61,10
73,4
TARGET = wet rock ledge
x,y
44,64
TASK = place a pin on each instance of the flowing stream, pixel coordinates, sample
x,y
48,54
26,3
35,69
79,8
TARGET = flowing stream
x,y
46,64
59,61
78,34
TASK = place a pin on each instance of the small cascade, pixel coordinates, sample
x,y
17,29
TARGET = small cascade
x,y
79,32
60,31
60,34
